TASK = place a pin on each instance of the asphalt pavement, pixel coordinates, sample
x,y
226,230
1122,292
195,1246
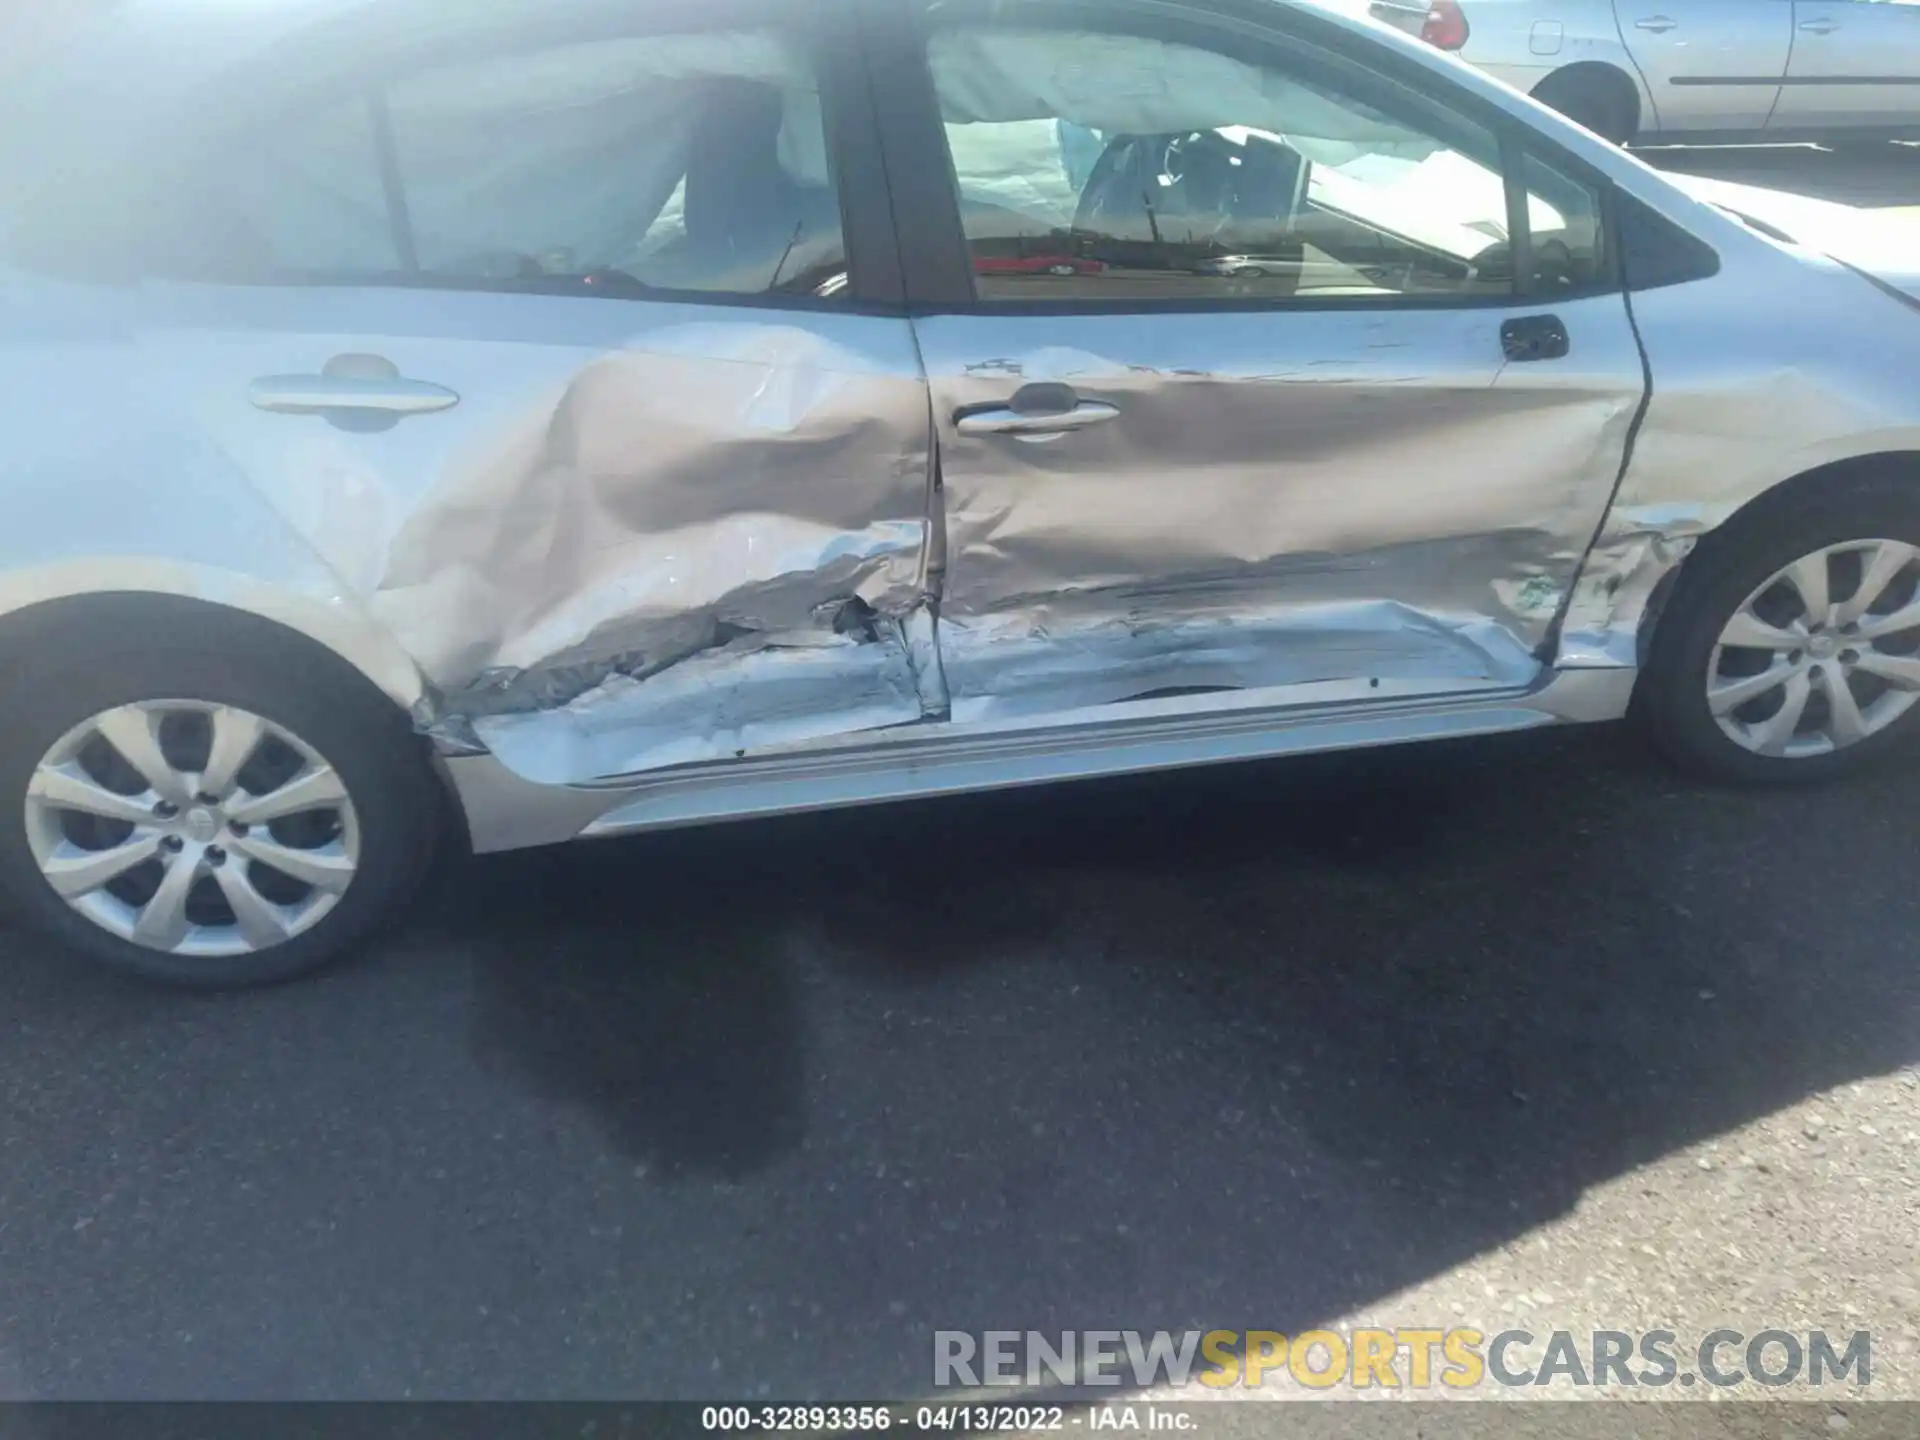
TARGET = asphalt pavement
x,y
1518,1031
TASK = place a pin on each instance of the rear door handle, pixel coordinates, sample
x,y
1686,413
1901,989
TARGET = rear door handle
x,y
1656,23
319,394
352,392
1034,427
1534,337
1820,27
1045,410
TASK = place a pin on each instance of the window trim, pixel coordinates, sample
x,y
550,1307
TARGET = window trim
x,y
937,263
330,63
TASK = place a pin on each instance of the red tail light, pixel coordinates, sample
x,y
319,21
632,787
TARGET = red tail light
x,y
1446,25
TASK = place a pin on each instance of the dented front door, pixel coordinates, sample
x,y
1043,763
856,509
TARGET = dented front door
x,y
1264,501
560,357
1243,393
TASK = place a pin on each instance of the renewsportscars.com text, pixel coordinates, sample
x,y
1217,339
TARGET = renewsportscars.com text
x,y
1457,1358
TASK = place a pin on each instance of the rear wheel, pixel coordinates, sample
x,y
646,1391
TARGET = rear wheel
x,y
1597,97
207,813
1793,652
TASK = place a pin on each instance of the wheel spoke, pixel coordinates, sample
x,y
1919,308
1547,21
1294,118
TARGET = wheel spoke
x,y
260,920
1808,576
1732,694
68,787
1907,617
74,872
1900,671
178,838
1845,722
315,789
1749,630
1772,735
131,731
163,922
236,734
1890,557
326,868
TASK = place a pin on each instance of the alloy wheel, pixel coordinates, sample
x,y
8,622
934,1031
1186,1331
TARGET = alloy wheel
x,y
1824,654
191,827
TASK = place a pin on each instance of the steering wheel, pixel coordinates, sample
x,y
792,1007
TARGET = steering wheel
x,y
1185,173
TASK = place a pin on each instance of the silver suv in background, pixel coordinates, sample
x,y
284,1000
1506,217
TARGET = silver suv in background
x,y
1692,70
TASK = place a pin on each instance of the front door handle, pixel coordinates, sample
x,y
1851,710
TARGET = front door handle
x,y
1033,427
354,392
1659,24
1042,411
1534,337
1820,27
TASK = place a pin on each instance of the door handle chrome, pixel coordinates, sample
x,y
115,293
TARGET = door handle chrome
x,y
320,394
1031,426
1819,27
1656,23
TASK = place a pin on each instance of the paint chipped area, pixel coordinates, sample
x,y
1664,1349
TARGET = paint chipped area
x,y
1040,659
1610,601
753,693
657,599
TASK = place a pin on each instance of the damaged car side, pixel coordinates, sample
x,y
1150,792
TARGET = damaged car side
x,y
617,415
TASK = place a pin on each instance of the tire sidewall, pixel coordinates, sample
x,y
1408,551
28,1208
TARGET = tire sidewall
x,y
1588,103
1672,694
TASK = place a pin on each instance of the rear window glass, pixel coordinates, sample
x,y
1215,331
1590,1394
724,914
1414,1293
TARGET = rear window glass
x,y
684,163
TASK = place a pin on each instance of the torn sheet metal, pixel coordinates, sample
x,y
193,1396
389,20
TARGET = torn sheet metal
x,y
687,549
622,491
755,693
1382,471
1636,554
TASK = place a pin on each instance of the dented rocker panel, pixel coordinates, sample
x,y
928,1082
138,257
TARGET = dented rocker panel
x,y
506,811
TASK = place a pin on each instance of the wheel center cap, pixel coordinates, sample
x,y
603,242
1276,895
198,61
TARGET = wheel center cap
x,y
1822,647
202,824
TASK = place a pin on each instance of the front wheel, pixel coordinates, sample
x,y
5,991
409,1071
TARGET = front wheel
x,y
1792,652
206,813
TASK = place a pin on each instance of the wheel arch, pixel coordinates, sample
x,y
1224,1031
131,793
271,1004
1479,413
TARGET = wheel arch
x,y
1614,76
86,592
1882,467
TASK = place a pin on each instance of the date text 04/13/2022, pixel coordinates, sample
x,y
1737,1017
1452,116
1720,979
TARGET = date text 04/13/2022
x,y
960,1418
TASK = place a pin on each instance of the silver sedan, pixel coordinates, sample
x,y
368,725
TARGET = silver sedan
x,y
567,419
1691,70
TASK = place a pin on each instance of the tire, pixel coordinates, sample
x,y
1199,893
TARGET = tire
x,y
1671,700
68,669
1593,98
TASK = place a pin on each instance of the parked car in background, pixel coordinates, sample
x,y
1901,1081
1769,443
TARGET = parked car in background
x,y
1693,70
581,419
1035,265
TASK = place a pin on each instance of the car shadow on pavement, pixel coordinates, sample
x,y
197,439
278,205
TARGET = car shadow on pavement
x,y
655,998
754,1109
1246,1047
